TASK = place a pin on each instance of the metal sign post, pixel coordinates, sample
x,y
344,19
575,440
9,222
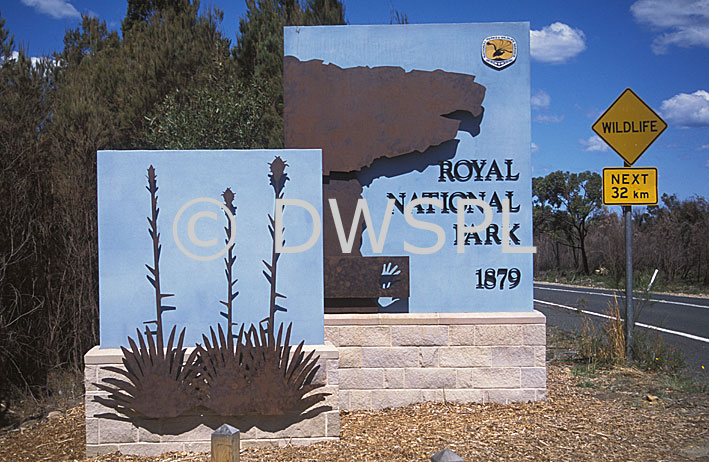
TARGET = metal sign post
x,y
629,314
629,126
628,186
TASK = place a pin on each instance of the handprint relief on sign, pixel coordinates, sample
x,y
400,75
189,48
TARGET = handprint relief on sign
x,y
389,275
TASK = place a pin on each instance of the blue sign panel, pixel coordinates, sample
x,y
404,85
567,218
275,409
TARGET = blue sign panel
x,y
403,113
213,241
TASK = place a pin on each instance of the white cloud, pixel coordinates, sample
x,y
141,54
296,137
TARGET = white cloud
x,y
548,118
540,99
535,148
703,147
706,164
14,56
594,143
685,22
687,110
556,43
57,9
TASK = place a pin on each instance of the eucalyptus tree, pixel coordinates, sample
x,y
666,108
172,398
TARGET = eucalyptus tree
x,y
569,203
259,49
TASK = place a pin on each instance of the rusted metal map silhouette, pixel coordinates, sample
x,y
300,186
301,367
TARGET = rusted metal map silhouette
x,y
252,373
362,117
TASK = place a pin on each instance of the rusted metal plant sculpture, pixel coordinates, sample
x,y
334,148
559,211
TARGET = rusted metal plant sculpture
x,y
228,196
258,375
277,178
160,382
155,269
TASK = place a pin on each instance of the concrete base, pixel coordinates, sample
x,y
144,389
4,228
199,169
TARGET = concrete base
x,y
391,360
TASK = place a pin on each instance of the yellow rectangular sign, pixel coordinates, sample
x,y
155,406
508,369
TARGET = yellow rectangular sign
x,y
630,186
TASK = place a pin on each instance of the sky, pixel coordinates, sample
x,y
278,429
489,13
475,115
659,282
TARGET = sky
x,y
584,54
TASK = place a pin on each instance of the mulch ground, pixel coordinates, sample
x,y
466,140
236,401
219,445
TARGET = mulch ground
x,y
600,416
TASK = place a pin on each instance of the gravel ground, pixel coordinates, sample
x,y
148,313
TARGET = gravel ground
x,y
605,415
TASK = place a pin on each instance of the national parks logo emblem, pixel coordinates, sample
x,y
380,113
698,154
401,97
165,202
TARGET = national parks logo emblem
x,y
499,51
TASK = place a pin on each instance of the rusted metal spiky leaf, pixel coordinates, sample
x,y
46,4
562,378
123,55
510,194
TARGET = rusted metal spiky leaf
x,y
258,375
160,383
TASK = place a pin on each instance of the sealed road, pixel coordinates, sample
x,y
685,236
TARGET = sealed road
x,y
682,322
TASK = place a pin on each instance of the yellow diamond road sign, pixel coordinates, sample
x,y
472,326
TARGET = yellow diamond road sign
x,y
629,126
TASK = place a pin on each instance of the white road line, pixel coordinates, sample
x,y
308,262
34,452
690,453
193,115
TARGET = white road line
x,y
634,298
640,324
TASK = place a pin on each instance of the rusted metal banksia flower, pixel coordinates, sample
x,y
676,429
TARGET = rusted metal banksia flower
x,y
228,196
278,176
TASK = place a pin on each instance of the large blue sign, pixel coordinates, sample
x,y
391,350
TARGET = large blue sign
x,y
411,112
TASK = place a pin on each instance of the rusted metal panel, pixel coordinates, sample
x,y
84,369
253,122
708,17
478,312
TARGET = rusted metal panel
x,y
346,193
366,277
360,114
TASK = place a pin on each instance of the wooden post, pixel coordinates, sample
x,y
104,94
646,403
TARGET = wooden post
x,y
225,444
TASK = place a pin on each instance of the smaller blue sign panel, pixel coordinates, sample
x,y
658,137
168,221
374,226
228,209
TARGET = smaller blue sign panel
x,y
205,216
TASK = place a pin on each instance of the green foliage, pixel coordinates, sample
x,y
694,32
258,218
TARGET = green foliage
x,y
141,10
605,346
7,41
653,354
108,85
221,115
100,100
567,204
25,218
684,383
670,237
585,374
180,47
259,50
95,94
87,40
169,81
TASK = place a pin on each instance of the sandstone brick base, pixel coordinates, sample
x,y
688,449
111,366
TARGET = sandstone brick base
x,y
391,360
108,432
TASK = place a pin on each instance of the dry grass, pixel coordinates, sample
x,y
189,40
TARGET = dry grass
x,y
614,331
607,346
